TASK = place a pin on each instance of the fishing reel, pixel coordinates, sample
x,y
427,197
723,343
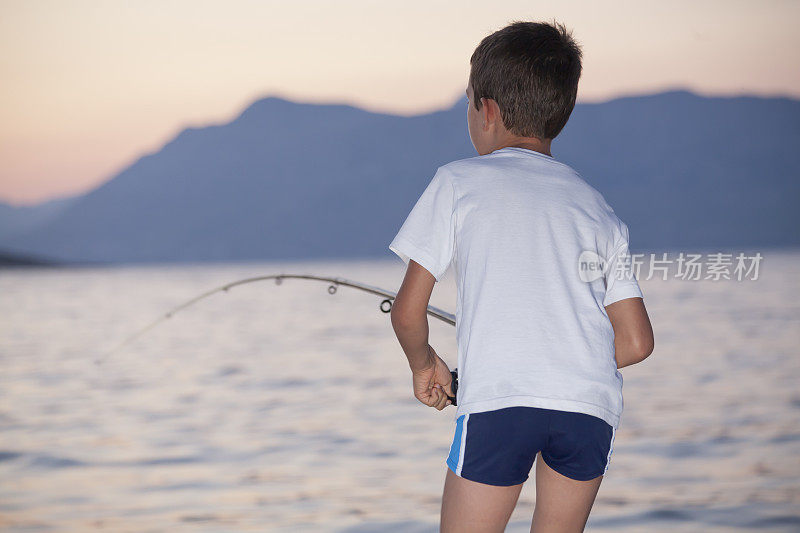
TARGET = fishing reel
x,y
454,385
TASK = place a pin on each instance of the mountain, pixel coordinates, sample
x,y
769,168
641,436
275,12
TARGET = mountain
x,y
287,180
687,171
16,219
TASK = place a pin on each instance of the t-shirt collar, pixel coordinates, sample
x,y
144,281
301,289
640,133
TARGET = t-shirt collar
x,y
526,151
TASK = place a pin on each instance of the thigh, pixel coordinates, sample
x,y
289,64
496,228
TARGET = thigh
x,y
569,471
563,504
470,506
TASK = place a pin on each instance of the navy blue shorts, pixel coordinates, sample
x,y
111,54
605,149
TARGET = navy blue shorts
x,y
499,447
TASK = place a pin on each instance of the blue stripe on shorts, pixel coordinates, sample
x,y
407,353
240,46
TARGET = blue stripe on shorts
x,y
455,448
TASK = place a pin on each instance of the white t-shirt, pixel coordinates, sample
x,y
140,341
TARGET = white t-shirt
x,y
521,230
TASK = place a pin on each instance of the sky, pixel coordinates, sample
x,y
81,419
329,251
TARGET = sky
x,y
89,86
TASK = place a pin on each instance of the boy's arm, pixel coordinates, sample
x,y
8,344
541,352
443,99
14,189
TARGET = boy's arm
x,y
633,333
409,315
432,379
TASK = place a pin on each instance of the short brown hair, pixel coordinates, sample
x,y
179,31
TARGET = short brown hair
x,y
531,69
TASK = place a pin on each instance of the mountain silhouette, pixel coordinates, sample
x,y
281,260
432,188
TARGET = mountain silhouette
x,y
288,180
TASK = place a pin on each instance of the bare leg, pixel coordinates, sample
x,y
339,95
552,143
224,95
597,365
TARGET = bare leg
x,y
468,506
562,504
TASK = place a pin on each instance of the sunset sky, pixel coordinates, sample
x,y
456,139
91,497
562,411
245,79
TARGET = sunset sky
x,y
89,86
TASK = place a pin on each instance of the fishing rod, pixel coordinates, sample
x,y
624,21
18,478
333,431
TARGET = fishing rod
x,y
385,305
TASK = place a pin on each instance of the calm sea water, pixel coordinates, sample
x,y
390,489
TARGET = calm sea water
x,y
283,408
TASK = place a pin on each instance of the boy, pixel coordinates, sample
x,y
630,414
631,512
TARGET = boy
x,y
540,339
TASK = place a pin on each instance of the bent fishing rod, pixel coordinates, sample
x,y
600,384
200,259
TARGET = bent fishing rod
x,y
385,305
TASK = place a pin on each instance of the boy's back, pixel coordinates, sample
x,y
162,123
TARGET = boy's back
x,y
515,223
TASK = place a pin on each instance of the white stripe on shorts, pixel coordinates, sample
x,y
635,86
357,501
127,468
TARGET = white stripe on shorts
x,y
463,444
610,448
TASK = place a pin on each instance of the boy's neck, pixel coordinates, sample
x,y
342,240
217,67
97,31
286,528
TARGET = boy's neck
x,y
529,143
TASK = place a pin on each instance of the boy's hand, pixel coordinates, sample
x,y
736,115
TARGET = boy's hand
x,y
433,384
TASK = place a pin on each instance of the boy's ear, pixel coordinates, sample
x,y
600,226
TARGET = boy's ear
x,y
490,112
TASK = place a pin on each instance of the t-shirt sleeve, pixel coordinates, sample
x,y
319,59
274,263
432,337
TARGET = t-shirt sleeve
x,y
621,282
428,234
